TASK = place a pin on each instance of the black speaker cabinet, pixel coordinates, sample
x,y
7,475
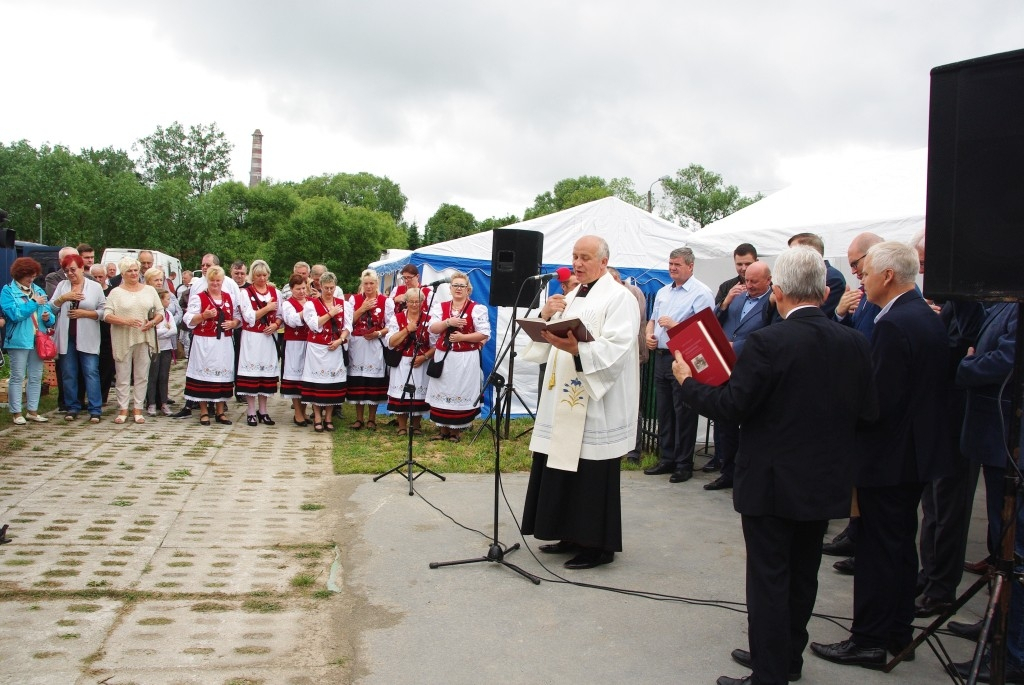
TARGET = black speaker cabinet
x,y
975,207
516,255
8,236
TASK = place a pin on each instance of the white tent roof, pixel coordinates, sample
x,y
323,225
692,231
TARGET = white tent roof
x,y
636,239
885,196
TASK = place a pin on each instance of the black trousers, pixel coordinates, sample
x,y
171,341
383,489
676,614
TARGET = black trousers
x,y
946,504
677,421
885,576
783,557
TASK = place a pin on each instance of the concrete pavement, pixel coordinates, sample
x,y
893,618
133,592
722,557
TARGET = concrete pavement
x,y
171,553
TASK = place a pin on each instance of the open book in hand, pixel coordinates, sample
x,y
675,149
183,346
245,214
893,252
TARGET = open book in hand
x,y
560,327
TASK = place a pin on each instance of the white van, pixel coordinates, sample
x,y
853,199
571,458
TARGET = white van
x,y
170,265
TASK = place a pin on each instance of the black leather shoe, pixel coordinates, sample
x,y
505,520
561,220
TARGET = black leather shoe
x,y
968,631
589,559
929,606
713,465
182,413
660,468
720,483
742,657
841,546
560,547
845,566
1013,674
726,680
847,653
680,476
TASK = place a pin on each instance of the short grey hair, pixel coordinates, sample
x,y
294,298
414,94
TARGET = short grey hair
x,y
800,274
328,277
899,257
917,241
684,252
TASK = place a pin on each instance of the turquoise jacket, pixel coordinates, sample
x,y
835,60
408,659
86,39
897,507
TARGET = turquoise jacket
x,y
20,332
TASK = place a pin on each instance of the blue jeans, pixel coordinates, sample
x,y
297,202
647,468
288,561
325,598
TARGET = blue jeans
x,y
89,364
22,361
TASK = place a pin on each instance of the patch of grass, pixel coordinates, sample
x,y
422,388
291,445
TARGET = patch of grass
x,y
209,607
69,636
262,606
377,451
156,621
84,608
303,580
243,681
67,622
61,573
197,650
310,506
252,649
19,562
97,583
95,462
45,655
323,593
122,502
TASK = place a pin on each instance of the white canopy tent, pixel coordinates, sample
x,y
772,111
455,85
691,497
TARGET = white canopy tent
x,y
884,195
639,244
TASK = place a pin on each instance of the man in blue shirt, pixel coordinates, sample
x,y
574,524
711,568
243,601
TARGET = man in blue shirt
x,y
677,421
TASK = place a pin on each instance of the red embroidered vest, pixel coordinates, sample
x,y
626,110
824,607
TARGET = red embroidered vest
x,y
210,327
329,332
467,314
372,320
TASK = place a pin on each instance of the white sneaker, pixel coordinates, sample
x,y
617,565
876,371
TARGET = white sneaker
x,y
38,418
19,420
166,410
151,411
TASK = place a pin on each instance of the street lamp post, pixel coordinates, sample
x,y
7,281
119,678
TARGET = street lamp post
x,y
650,203
40,208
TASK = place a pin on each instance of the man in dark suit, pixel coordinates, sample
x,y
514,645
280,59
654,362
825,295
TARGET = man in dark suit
x,y
743,256
742,316
833,277
905,449
798,391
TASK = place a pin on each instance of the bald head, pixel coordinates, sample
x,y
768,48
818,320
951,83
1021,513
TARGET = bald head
x,y
758,279
858,249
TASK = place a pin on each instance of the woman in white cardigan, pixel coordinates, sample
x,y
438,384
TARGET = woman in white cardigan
x,y
80,306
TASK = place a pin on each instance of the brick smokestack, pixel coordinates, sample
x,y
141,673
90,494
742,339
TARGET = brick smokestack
x,y
256,169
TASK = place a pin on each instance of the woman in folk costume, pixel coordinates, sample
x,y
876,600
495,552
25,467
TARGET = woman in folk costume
x,y
258,369
410,281
367,384
463,327
409,332
295,332
210,376
324,374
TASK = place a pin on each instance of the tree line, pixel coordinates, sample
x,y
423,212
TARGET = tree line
x,y
174,195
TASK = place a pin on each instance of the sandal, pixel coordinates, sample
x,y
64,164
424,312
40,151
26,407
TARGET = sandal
x,y
223,420
121,417
403,431
139,418
204,419
318,427
70,416
358,425
417,431
371,425
329,427
438,438
453,438
95,418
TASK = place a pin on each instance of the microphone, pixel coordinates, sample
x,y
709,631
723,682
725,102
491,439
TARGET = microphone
x,y
438,282
561,273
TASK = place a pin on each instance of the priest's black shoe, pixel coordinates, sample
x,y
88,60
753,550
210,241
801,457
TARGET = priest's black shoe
x,y
680,476
713,465
845,566
742,657
968,631
726,680
560,547
963,669
720,483
929,606
848,653
589,558
660,468
841,546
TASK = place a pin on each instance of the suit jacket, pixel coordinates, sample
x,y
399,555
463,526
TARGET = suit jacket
x,y
909,443
836,283
798,392
736,326
724,289
51,281
983,439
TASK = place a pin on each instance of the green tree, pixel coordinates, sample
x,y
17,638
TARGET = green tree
x,y
378,193
413,238
449,222
699,195
496,222
201,156
623,189
569,192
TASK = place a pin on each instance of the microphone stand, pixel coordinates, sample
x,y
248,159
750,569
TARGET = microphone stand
x,y
496,552
409,392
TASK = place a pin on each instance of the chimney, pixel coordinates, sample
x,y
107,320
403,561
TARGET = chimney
x,y
256,169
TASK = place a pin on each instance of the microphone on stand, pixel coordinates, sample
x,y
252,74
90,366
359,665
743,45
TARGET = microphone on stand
x,y
438,282
561,273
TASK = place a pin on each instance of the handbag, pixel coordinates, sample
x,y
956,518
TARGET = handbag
x,y
45,347
435,367
392,357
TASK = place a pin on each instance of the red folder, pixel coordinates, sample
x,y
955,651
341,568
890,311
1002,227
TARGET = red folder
x,y
704,346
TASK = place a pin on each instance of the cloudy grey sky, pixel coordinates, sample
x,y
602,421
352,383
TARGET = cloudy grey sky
x,y
486,104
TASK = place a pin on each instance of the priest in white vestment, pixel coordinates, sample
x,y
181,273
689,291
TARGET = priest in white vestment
x,y
586,418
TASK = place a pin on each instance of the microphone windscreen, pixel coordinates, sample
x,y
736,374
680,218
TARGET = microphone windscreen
x,y
563,273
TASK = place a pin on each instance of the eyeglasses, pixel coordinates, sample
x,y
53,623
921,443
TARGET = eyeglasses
x,y
854,263
459,286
